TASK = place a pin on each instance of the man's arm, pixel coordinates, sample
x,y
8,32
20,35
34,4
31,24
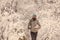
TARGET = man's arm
x,y
38,24
29,25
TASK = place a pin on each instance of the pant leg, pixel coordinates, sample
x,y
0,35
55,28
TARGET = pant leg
x,y
33,35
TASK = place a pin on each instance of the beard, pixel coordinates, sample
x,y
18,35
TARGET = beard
x,y
34,19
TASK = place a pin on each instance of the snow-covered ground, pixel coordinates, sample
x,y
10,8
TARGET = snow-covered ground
x,y
15,15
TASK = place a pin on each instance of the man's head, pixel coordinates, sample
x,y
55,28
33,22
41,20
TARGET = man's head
x,y
34,17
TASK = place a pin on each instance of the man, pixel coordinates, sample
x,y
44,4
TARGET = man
x,y
34,26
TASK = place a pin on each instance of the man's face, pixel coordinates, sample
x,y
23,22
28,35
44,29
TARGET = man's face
x,y
34,17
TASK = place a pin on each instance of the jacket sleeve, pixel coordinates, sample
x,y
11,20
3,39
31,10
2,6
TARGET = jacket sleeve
x,y
29,25
38,24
